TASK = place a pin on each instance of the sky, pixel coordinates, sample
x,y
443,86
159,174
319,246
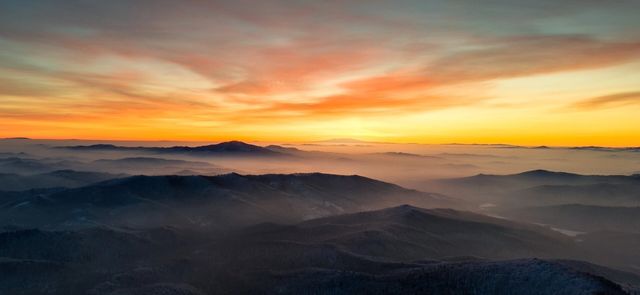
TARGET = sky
x,y
542,72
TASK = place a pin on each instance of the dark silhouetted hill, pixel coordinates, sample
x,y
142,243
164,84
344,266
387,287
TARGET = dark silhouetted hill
x,y
542,187
60,178
212,201
230,148
408,233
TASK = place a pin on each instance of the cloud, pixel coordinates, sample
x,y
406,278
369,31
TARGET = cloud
x,y
247,62
608,101
531,55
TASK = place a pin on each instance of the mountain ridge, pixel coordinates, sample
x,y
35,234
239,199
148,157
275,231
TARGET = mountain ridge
x,y
200,199
228,148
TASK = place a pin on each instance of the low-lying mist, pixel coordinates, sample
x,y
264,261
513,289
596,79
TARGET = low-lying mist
x,y
318,214
411,165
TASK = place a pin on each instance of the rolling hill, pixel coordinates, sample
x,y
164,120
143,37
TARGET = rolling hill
x,y
211,201
230,148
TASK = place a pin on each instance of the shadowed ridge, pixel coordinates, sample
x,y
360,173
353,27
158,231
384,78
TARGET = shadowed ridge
x,y
229,148
221,200
329,180
524,276
537,173
541,174
59,178
233,146
101,146
416,216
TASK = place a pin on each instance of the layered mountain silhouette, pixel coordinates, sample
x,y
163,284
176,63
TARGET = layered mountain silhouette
x,y
408,233
25,165
60,178
530,276
210,201
398,250
157,166
76,225
541,188
540,177
230,148
40,167
76,262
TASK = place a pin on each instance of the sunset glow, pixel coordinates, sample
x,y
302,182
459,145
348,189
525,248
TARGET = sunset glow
x,y
520,72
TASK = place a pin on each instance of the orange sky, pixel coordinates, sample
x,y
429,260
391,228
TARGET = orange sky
x,y
519,72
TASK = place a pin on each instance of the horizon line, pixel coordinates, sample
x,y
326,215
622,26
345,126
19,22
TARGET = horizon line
x,y
355,142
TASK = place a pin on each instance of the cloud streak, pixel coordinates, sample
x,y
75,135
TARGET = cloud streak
x,y
609,101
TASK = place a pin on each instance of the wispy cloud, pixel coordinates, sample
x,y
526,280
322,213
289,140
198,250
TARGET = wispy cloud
x,y
608,101
232,63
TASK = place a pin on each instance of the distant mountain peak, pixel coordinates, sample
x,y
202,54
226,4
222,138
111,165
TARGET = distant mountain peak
x,y
538,172
410,210
234,147
101,146
231,147
542,172
234,143
403,208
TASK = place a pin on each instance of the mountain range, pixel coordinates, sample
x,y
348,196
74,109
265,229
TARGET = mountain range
x,y
210,201
122,219
398,250
544,188
60,178
229,148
